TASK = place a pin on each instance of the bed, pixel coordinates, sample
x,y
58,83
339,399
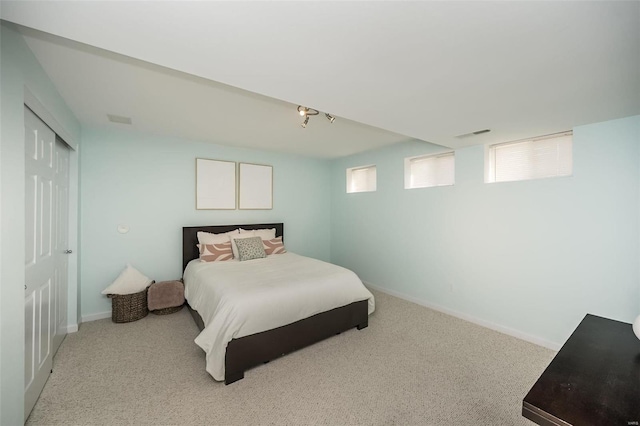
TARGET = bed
x,y
230,345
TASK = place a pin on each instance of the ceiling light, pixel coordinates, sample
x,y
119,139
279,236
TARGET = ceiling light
x,y
307,112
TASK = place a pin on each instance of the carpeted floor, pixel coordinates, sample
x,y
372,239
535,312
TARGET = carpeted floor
x,y
411,366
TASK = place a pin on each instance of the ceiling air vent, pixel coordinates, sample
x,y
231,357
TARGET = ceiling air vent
x,y
477,132
119,119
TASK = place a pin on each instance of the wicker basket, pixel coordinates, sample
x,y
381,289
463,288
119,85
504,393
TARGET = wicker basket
x,y
129,307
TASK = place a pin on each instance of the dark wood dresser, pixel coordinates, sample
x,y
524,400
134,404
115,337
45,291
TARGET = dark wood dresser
x,y
593,380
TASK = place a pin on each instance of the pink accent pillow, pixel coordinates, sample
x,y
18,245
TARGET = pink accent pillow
x,y
274,246
215,252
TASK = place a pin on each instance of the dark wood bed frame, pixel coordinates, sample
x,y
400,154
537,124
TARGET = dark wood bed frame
x,y
250,351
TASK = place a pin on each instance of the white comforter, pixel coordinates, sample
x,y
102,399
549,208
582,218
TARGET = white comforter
x,y
237,299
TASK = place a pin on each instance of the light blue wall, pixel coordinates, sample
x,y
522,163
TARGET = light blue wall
x,y
148,183
532,256
18,68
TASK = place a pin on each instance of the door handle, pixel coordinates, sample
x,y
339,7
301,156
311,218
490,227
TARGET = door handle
x,y
68,251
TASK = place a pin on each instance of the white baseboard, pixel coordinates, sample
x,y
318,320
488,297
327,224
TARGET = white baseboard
x,y
72,328
484,323
95,317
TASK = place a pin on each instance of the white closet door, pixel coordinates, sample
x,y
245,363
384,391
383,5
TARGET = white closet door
x,y
61,242
46,210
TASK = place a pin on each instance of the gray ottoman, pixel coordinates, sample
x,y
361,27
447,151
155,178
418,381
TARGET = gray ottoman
x,y
165,297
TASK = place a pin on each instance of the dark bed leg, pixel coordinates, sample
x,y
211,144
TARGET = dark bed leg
x,y
363,325
233,377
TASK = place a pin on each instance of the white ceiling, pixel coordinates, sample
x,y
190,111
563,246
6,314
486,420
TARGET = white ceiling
x,y
429,70
95,82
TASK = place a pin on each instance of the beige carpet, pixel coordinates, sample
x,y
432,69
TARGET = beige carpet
x,y
411,366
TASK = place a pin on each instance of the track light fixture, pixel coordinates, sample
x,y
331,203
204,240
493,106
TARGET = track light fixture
x,y
306,112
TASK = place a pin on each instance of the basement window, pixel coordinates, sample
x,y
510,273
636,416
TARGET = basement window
x,y
537,158
361,179
429,170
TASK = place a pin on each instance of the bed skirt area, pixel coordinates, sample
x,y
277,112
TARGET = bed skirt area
x,y
250,351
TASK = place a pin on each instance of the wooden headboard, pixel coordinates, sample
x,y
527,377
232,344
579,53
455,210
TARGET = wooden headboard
x,y
190,236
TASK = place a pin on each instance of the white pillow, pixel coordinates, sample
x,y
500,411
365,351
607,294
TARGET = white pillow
x,y
266,234
245,231
128,282
209,238
246,234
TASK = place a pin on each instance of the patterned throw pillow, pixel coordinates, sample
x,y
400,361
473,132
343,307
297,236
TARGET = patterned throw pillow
x,y
250,248
274,246
215,252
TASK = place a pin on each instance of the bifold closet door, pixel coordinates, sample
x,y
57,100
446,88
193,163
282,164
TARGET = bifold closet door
x,y
46,229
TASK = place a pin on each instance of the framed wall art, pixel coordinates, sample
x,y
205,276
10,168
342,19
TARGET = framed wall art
x,y
255,190
215,184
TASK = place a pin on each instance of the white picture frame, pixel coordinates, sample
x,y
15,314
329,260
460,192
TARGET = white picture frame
x,y
215,184
255,187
